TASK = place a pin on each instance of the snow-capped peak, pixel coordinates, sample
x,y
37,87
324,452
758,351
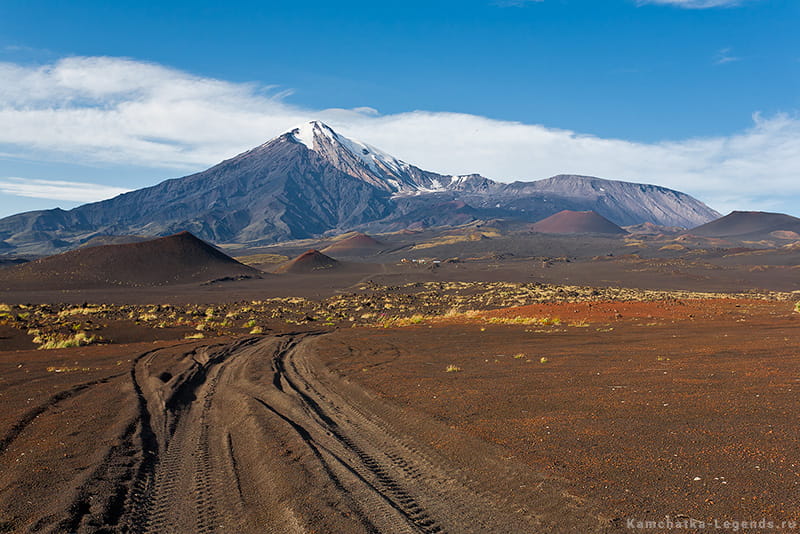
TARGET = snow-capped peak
x,y
371,164
315,135
305,134
358,158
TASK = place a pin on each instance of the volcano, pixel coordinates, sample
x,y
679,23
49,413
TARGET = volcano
x,y
312,181
310,261
750,225
577,222
176,259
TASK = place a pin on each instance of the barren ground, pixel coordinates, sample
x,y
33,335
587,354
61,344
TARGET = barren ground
x,y
684,408
399,396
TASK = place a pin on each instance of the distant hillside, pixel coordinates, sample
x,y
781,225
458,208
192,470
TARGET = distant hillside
x,y
577,222
354,245
176,259
100,240
750,225
311,261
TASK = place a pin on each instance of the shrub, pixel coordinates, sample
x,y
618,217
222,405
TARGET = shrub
x,y
416,319
524,320
77,340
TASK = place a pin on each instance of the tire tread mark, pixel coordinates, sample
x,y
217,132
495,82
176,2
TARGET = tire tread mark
x,y
392,490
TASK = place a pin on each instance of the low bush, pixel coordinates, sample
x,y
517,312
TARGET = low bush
x,y
78,340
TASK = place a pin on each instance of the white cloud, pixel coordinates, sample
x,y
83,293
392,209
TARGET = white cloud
x,y
58,190
695,4
725,56
133,113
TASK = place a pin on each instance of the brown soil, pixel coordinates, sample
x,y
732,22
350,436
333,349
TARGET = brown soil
x,y
646,404
684,409
247,435
639,410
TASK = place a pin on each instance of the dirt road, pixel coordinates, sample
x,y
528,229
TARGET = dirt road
x,y
257,436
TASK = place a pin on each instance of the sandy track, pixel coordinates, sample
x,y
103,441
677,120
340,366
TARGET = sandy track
x,y
258,436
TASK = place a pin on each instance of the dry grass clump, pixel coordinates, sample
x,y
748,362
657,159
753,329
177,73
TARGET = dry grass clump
x,y
417,318
81,310
78,340
452,369
67,369
262,259
368,305
543,321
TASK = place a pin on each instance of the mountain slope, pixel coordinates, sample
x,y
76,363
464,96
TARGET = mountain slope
x,y
278,191
624,203
310,261
748,224
577,222
312,181
354,245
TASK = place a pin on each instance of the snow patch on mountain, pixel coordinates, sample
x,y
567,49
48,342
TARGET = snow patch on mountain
x,y
320,138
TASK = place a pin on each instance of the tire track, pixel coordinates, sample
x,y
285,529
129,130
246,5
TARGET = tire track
x,y
432,496
178,486
252,437
371,469
382,471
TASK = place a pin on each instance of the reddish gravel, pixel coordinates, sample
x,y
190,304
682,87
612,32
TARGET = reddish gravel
x,y
650,409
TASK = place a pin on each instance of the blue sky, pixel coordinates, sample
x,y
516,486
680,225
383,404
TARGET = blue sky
x,y
699,95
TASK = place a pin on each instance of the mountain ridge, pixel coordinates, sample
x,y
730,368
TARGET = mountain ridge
x,y
312,181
